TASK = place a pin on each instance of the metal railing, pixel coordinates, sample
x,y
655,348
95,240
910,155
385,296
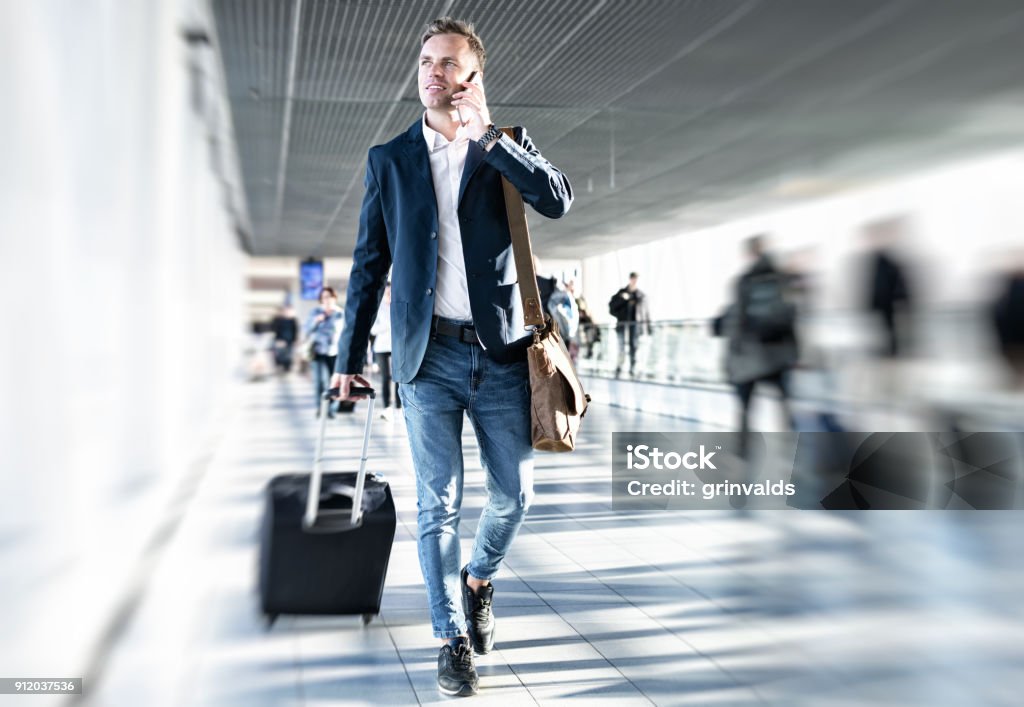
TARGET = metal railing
x,y
669,351
683,351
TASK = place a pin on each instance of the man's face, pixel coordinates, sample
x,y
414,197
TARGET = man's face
x,y
445,61
632,283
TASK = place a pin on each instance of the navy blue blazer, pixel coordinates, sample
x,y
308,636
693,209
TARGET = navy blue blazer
x,y
399,225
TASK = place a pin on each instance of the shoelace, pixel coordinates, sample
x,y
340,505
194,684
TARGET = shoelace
x,y
462,657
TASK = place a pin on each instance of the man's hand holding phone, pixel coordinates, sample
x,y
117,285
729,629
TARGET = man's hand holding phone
x,y
471,104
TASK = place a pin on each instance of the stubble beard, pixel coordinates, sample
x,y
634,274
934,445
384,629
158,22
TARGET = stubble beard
x,y
440,104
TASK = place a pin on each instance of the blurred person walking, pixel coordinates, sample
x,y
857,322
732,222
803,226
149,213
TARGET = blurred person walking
x,y
286,332
381,333
629,307
434,207
565,312
259,362
589,332
1008,317
546,285
761,328
559,305
323,327
888,293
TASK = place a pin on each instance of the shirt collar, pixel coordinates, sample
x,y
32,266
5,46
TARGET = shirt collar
x,y
436,141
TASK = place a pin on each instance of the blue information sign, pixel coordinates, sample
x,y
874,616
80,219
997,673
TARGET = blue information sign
x,y
311,278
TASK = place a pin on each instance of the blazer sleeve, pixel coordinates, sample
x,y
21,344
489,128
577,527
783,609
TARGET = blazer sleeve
x,y
371,261
542,185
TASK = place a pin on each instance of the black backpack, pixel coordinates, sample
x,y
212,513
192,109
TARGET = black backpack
x,y
618,306
766,313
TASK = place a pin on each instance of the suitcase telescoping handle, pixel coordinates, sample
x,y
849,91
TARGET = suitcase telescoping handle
x,y
313,499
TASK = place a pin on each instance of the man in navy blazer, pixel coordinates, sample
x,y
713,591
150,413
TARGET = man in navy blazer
x,y
434,211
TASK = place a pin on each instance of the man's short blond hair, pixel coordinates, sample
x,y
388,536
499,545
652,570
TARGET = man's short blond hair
x,y
450,25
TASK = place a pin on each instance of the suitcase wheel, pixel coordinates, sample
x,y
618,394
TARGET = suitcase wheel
x,y
367,618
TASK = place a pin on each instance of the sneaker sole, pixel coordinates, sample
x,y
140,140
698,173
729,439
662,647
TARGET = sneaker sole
x,y
465,691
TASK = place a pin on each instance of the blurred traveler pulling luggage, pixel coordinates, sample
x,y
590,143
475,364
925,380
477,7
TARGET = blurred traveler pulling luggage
x,y
326,537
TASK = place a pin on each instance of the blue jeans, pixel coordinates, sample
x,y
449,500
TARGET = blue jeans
x,y
628,332
322,368
457,378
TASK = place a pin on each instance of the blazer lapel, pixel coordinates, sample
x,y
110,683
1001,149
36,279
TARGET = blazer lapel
x,y
416,150
474,158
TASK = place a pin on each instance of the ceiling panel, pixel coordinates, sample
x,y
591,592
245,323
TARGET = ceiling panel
x,y
665,114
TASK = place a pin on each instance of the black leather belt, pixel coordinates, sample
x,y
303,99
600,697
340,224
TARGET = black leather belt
x,y
463,332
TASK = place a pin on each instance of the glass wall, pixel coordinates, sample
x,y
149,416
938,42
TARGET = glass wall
x,y
122,280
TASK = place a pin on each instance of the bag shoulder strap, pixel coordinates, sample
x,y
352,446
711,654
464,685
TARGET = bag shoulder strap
x,y
522,250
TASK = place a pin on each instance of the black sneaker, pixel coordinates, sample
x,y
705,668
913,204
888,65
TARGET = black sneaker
x,y
476,606
456,674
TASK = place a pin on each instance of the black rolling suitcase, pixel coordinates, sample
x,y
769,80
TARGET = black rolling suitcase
x,y
326,538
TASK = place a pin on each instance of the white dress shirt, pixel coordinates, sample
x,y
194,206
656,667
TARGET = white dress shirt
x,y
382,329
447,160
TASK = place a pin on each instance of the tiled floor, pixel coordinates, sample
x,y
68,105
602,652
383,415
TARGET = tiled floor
x,y
698,608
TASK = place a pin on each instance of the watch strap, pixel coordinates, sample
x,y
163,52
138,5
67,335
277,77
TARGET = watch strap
x,y
493,133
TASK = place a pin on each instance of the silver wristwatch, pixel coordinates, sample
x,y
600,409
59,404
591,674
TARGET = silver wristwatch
x,y
493,133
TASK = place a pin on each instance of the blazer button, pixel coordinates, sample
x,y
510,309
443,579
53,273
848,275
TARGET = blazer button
x,y
430,291
433,235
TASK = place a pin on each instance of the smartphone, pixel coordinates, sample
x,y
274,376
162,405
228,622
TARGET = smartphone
x,y
472,76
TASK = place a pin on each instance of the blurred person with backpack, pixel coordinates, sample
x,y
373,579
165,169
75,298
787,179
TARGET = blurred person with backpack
x,y
761,328
629,307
